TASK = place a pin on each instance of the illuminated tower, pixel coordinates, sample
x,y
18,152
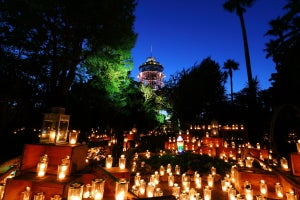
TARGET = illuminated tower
x,y
151,73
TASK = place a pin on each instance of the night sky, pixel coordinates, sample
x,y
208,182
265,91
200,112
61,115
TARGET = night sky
x,y
180,34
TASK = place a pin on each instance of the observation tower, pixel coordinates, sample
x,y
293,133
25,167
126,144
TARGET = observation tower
x,y
151,73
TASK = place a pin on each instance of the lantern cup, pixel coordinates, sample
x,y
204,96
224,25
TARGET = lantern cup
x,y
121,189
122,162
73,135
62,171
41,168
108,161
75,191
39,196
98,188
56,197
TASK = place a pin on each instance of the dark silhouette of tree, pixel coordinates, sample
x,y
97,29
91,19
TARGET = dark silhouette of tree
x,y
52,39
239,7
198,93
230,65
284,48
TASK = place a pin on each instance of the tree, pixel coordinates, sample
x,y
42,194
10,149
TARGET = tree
x,y
198,93
52,39
239,7
231,65
283,48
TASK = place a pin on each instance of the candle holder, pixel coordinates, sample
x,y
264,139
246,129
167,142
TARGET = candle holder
x,y
39,196
73,136
207,193
55,127
98,188
263,187
87,191
150,189
279,190
108,161
122,162
75,191
62,171
41,168
121,189
137,179
210,180
171,179
176,190
26,195
56,197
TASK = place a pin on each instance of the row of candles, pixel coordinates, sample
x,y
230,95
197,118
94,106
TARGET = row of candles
x,y
63,169
211,126
149,189
27,194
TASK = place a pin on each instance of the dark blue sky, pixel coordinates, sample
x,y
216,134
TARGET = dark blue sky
x,y
184,32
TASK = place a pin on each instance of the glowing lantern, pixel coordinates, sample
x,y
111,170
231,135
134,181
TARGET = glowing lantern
x,y
180,144
55,127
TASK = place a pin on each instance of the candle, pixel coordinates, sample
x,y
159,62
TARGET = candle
x,y
279,190
122,162
210,180
263,187
75,191
207,193
73,135
52,136
142,187
62,171
171,179
41,168
98,188
108,161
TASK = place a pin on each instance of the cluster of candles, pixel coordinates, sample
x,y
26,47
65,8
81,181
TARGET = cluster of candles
x,y
63,168
27,194
95,190
188,188
209,127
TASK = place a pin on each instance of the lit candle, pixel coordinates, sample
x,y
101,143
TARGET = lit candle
x,y
210,180
213,170
52,136
108,161
122,162
249,161
98,188
279,190
142,187
121,189
284,163
41,168
75,191
248,194
171,179
291,195
62,171
263,187
73,135
207,193
150,189
137,179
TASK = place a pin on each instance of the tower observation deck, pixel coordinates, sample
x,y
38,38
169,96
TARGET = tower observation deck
x,y
151,73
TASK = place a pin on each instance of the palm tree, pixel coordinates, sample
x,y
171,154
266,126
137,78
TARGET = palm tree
x,y
239,7
230,65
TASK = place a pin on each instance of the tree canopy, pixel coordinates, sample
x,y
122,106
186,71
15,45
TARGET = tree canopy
x,y
50,40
